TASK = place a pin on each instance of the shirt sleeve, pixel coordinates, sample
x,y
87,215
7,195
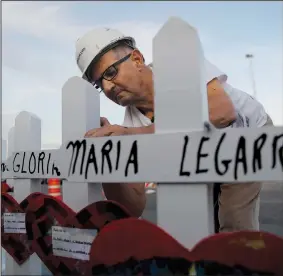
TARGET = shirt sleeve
x,y
212,72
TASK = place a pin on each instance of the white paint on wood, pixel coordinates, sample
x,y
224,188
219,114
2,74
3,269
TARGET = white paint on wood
x,y
80,113
35,164
230,155
11,141
181,105
27,136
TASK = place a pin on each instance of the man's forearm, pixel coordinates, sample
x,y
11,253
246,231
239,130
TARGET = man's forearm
x,y
130,195
221,109
143,130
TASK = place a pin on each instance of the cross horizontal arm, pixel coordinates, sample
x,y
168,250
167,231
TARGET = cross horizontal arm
x,y
218,156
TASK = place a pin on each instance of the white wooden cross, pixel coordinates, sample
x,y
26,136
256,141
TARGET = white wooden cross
x,y
181,106
183,157
24,136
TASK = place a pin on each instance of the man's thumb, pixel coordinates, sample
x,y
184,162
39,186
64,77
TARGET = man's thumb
x,y
104,121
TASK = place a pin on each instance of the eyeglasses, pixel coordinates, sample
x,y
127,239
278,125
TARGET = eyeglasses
x,y
110,73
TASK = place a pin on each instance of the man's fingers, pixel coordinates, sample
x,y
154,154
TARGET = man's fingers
x,y
108,130
100,132
114,134
104,121
90,133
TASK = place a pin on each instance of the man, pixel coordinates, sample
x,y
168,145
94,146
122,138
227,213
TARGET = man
x,y
111,61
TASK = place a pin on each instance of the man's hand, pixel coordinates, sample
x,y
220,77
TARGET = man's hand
x,y
107,129
131,195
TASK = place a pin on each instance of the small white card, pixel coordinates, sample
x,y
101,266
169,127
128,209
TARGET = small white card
x,y
14,223
72,242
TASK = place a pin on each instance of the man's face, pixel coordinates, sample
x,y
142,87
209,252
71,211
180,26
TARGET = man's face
x,y
123,82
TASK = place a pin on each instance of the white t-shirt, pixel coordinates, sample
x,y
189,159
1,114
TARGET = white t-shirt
x,y
250,112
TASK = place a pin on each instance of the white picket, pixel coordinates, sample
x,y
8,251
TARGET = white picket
x,y
80,113
26,135
181,105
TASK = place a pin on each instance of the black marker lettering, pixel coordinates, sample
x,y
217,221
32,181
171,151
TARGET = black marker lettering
x,y
181,172
118,155
76,149
224,162
133,159
41,157
258,144
201,155
32,159
49,156
91,159
55,170
18,165
107,147
275,149
241,157
4,168
24,157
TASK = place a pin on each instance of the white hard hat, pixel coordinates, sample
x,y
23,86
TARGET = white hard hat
x,y
95,43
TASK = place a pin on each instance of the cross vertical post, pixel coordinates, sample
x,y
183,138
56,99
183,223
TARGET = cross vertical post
x,y
80,113
25,136
10,150
185,211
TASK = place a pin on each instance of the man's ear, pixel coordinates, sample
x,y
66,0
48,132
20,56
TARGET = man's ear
x,y
137,58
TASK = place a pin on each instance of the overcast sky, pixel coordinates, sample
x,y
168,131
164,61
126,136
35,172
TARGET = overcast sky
x,y
39,45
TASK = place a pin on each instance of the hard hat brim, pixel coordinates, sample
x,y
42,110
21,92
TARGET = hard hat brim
x,y
128,41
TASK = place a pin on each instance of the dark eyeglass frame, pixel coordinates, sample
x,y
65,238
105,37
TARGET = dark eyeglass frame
x,y
98,83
